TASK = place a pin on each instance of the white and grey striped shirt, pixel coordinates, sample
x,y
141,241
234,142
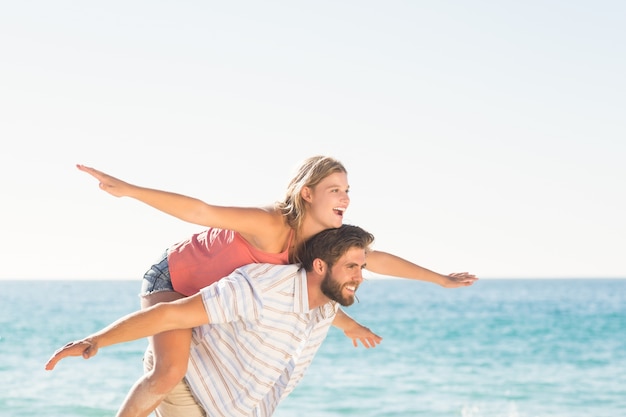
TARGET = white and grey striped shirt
x,y
261,339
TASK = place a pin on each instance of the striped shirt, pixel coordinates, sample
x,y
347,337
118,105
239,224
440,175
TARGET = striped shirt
x,y
261,339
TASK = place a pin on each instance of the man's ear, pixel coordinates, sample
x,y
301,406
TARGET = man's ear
x,y
319,266
307,194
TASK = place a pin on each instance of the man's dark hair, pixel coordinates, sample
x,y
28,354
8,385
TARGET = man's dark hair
x,y
331,244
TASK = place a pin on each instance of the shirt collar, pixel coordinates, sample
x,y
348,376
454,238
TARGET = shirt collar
x,y
301,298
300,293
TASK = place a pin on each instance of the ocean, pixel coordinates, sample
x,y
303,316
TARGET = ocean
x,y
501,348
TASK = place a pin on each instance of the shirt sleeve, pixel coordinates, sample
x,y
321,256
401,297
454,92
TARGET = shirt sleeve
x,y
232,298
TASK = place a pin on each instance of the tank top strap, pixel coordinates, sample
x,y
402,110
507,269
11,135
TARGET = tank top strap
x,y
292,233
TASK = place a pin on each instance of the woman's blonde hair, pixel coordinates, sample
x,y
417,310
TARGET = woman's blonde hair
x,y
310,173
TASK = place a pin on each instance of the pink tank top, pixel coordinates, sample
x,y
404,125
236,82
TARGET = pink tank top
x,y
212,254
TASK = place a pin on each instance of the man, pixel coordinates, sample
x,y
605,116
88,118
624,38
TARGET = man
x,y
255,331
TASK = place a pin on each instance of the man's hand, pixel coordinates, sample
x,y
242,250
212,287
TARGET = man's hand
x,y
458,279
85,348
366,336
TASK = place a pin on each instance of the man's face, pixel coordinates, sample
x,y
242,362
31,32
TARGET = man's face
x,y
343,279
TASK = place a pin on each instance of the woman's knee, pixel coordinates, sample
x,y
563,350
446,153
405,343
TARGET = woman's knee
x,y
167,376
166,372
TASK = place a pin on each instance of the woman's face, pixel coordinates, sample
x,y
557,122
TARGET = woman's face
x,y
329,200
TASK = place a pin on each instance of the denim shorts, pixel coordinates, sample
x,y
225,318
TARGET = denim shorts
x,y
157,278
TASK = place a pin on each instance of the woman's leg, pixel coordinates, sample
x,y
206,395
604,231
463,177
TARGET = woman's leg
x,y
171,354
179,402
169,350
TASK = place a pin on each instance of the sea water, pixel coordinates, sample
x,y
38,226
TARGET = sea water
x,y
501,348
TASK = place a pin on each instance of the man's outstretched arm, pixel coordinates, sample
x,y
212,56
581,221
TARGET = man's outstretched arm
x,y
356,331
180,314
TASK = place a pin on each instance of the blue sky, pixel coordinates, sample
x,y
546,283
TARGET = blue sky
x,y
482,136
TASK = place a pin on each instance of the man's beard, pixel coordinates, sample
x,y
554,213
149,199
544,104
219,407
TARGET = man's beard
x,y
333,290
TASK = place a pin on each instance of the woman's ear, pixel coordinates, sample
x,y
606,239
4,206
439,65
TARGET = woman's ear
x,y
307,194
